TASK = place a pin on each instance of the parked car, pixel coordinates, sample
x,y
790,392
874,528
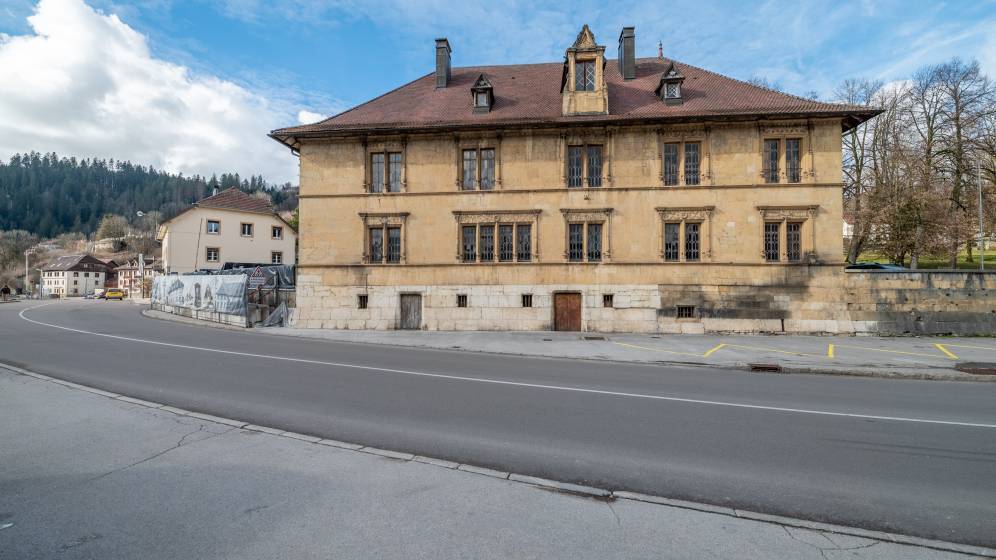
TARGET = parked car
x,y
99,293
875,266
114,293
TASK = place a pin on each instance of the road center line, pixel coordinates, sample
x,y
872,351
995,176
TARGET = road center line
x,y
510,383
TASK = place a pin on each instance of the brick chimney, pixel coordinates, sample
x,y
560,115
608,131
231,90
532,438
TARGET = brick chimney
x,y
442,62
627,53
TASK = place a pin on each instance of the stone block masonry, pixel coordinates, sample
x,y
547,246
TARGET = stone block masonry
x,y
807,299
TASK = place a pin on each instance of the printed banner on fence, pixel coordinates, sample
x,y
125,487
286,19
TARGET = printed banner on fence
x,y
222,293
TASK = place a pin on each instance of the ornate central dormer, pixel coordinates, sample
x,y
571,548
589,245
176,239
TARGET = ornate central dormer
x,y
583,84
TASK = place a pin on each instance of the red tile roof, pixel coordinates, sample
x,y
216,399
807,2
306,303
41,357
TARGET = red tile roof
x,y
529,94
234,199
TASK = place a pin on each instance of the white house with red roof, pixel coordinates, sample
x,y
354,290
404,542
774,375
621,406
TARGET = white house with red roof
x,y
228,227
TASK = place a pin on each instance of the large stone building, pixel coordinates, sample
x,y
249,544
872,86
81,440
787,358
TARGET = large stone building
x,y
602,195
74,275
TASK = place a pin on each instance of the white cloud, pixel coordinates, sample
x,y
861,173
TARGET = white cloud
x,y
85,84
307,117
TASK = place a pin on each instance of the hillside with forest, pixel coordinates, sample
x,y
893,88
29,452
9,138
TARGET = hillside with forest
x,y
47,196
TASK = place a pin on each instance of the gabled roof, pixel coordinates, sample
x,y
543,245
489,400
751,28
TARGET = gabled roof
x,y
229,199
530,95
234,199
76,262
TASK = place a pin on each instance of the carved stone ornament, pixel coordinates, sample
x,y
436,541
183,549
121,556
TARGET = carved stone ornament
x,y
778,213
702,213
586,215
518,216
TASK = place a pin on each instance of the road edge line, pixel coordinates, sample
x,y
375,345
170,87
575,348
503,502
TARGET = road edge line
x,y
566,487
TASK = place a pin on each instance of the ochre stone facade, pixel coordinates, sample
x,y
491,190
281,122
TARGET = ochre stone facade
x,y
545,176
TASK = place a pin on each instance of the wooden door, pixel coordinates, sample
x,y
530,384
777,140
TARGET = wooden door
x,y
567,312
411,311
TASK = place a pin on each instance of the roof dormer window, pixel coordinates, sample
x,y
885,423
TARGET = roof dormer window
x,y
584,75
669,89
483,94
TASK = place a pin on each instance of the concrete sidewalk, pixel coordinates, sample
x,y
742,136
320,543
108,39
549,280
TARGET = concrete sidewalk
x,y
902,357
88,476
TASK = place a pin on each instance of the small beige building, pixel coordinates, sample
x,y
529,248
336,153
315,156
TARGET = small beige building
x,y
636,194
73,275
228,227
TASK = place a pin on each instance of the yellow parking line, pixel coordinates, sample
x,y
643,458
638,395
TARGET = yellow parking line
x,y
946,351
772,350
891,351
830,350
658,349
711,350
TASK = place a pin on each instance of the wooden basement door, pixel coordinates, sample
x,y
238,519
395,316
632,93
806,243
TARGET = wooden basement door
x,y
567,312
411,311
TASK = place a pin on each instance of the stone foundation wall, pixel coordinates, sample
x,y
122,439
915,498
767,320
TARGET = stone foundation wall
x,y
804,299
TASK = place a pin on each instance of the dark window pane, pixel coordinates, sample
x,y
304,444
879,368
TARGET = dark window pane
x,y
671,163
584,76
691,242
594,242
574,167
469,169
793,160
771,161
469,244
793,240
692,163
394,185
487,169
393,244
594,166
506,244
376,244
575,242
487,234
524,242
772,242
376,172
671,242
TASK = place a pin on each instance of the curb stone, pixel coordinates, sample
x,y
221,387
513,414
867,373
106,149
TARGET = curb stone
x,y
536,481
484,471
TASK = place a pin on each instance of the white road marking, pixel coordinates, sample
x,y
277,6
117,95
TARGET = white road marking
x,y
513,383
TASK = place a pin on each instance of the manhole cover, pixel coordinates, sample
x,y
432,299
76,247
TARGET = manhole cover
x,y
764,367
978,368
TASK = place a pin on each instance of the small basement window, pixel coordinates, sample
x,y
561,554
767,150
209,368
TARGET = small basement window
x,y
527,300
361,301
686,311
461,300
607,300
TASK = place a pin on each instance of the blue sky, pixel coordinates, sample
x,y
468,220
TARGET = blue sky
x,y
323,56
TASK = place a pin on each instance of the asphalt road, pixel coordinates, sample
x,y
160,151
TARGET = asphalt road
x,y
913,457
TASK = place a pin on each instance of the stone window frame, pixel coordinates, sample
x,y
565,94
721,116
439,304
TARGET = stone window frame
x,y
584,139
681,137
384,220
805,215
478,143
782,133
276,257
386,147
498,218
279,230
681,215
217,254
207,226
242,229
587,216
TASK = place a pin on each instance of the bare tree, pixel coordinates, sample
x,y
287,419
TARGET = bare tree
x,y
968,96
924,113
856,158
